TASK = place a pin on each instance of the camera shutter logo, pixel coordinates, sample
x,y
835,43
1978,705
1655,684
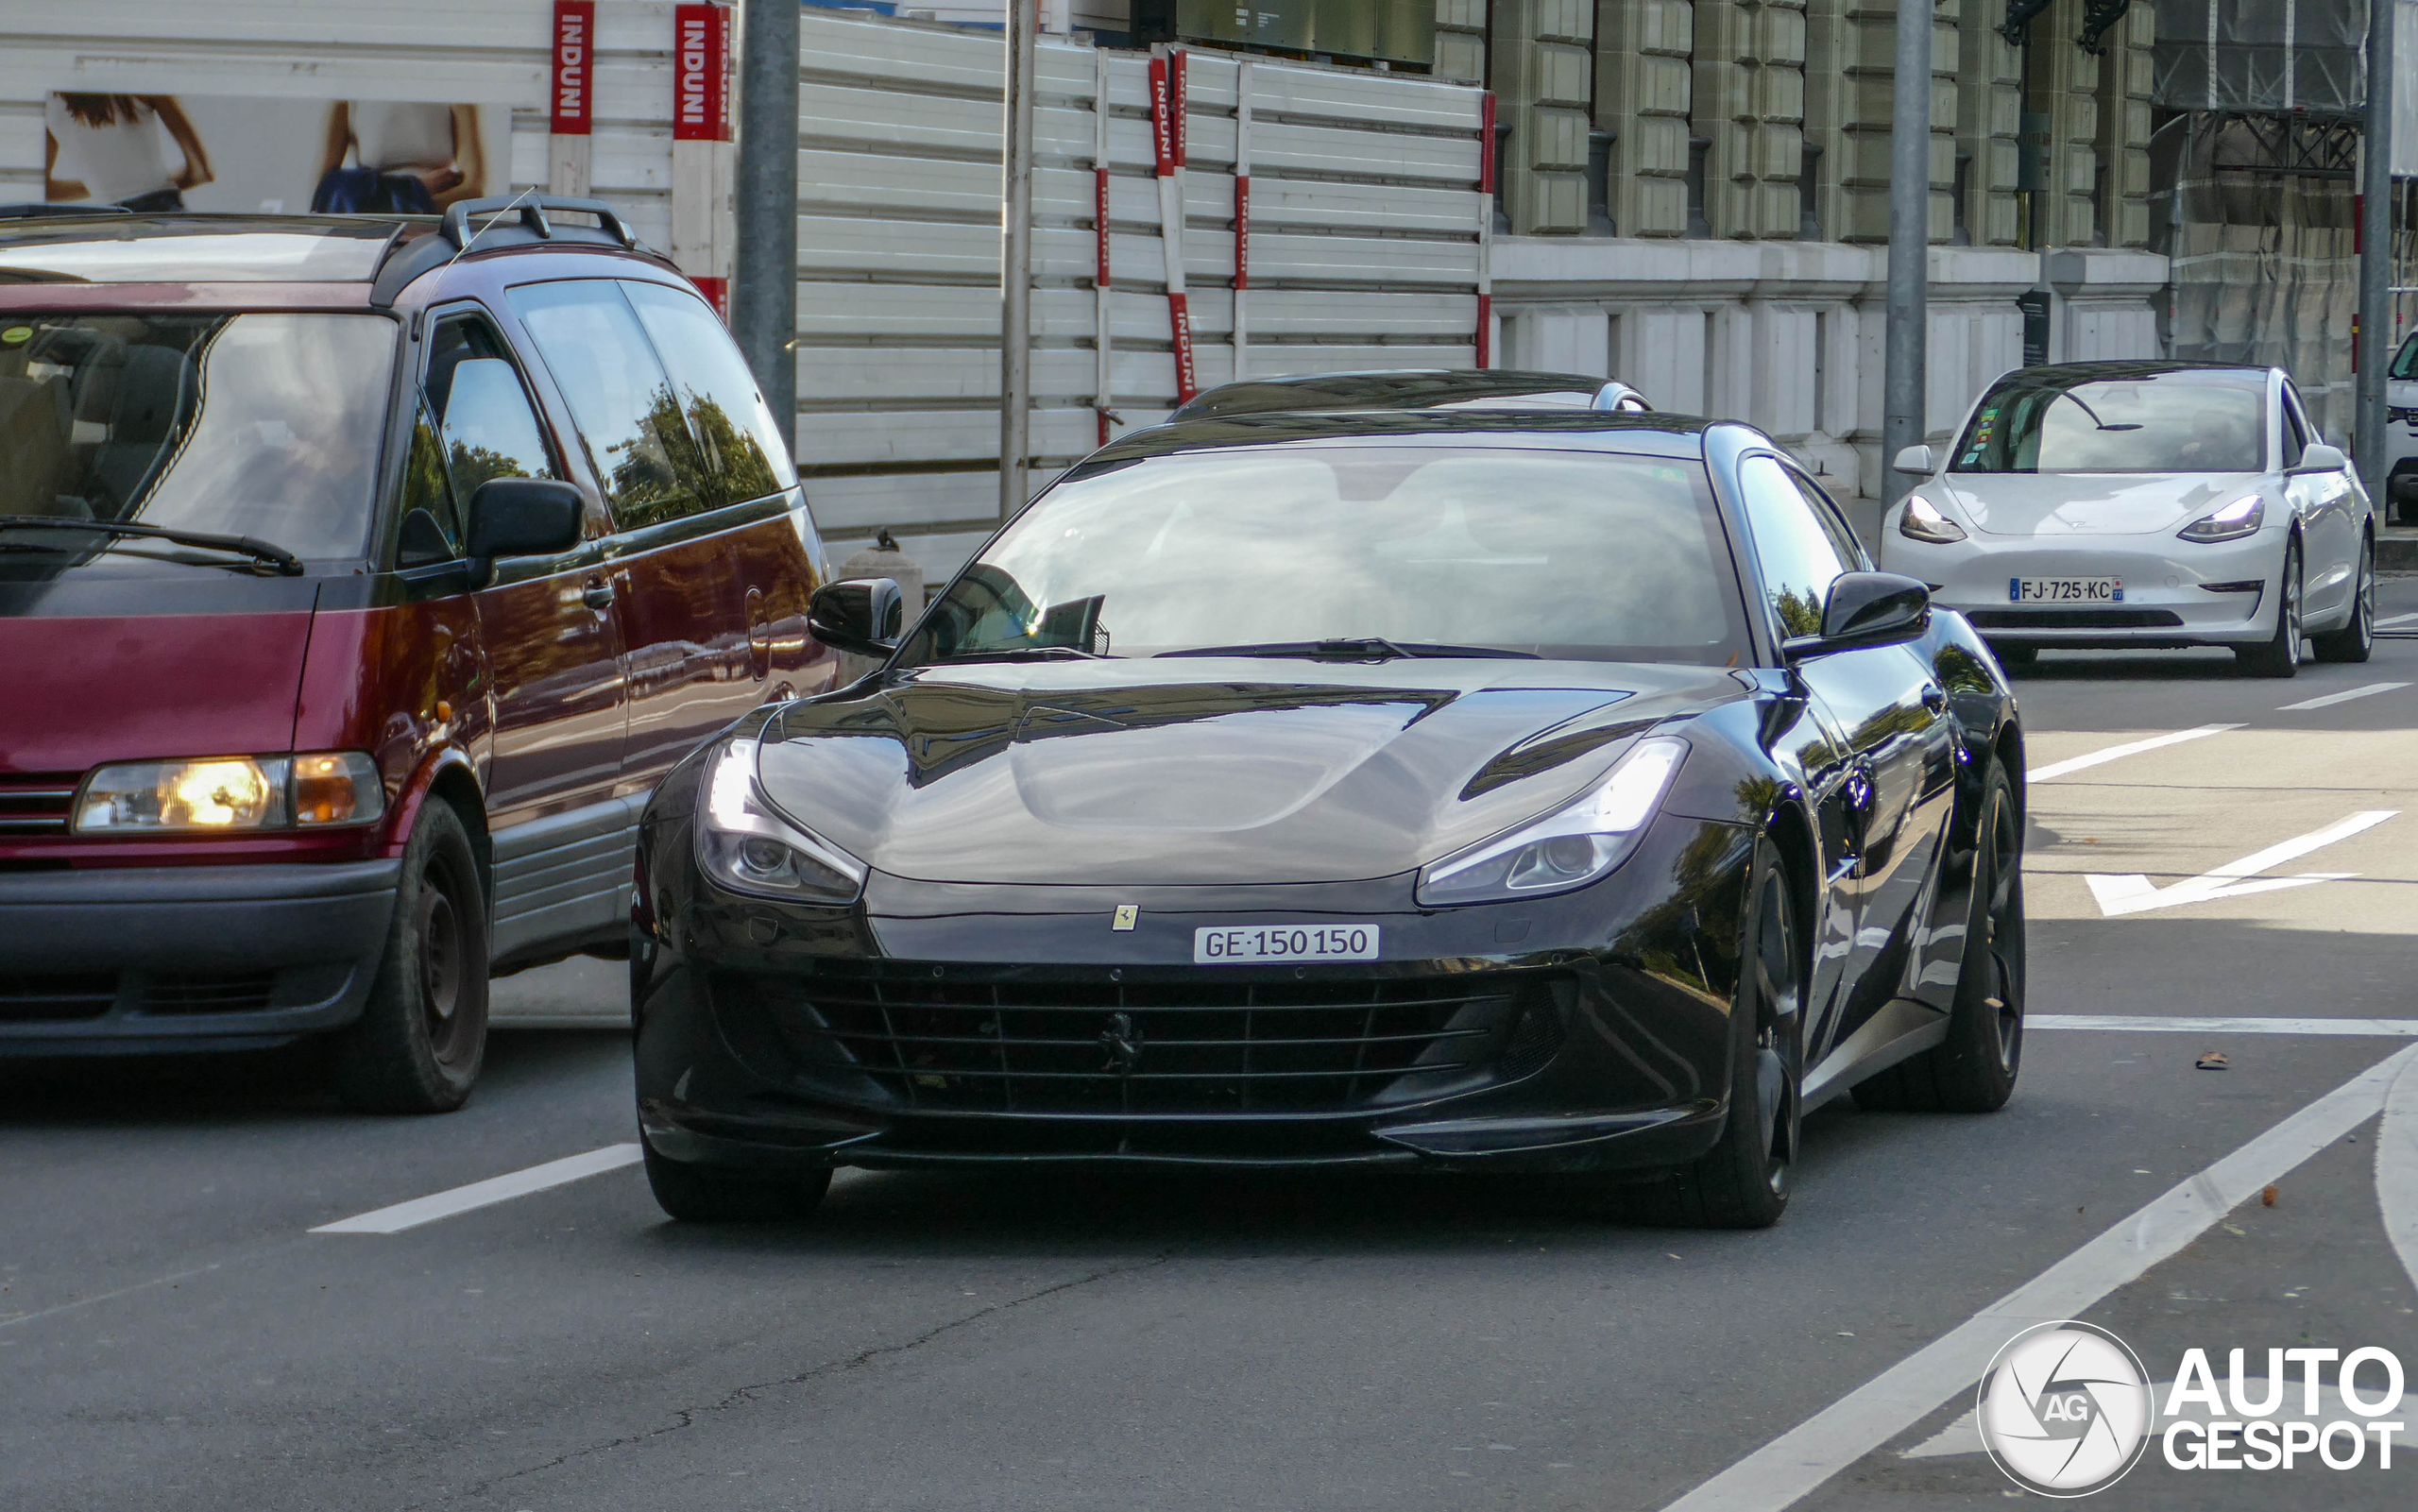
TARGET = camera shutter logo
x,y
2066,1409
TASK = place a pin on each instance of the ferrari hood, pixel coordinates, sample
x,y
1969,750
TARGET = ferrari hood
x,y
2056,504
1210,770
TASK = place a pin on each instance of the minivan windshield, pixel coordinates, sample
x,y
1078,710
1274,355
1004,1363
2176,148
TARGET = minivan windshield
x,y
262,425
2086,419
1357,552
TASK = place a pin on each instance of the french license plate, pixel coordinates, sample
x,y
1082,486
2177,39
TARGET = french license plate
x,y
1259,943
2065,590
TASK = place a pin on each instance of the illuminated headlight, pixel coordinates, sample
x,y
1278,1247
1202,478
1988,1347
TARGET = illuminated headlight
x,y
203,794
1922,521
1568,848
744,844
2241,517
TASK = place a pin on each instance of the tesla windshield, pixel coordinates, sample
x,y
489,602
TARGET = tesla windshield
x,y
2062,420
1355,551
265,426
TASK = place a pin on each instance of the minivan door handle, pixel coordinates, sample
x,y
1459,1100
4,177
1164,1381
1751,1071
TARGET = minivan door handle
x,y
598,595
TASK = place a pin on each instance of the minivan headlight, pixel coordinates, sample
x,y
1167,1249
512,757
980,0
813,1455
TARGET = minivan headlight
x,y
1568,848
747,845
1922,521
206,794
2241,517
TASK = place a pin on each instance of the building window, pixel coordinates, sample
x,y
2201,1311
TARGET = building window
x,y
1699,154
1809,193
1960,234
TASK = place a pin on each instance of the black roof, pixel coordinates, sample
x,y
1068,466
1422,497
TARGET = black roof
x,y
1652,434
1413,389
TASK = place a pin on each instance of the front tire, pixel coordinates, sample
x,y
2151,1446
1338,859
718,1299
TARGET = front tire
x,y
1743,1182
700,1193
417,1046
2281,655
2358,635
1973,1070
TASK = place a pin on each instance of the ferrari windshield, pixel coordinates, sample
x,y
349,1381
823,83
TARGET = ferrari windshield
x,y
2078,420
1422,550
263,425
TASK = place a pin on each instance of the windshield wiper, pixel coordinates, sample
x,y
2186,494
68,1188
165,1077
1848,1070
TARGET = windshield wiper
x,y
1021,654
1354,648
284,561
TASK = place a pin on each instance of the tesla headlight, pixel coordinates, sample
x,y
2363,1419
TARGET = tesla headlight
x,y
1922,521
2241,517
748,846
202,795
1569,847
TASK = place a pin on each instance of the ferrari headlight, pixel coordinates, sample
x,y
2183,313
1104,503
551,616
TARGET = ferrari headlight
x,y
1568,848
747,845
203,794
2241,517
1922,521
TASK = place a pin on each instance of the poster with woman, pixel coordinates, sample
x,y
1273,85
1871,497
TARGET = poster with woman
x,y
169,152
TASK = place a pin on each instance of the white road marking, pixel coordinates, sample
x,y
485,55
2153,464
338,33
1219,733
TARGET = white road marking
x,y
2136,894
2377,1027
485,1194
2059,768
1964,1436
2397,1169
2398,619
1799,1461
2331,699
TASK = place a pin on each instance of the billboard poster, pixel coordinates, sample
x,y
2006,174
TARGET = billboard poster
x,y
167,152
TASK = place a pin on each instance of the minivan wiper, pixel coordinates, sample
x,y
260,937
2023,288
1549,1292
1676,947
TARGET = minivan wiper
x,y
1354,648
1020,653
284,561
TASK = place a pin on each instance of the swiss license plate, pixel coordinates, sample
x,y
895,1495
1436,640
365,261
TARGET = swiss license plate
x,y
1257,943
2065,590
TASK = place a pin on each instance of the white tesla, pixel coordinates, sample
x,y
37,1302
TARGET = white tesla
x,y
2143,503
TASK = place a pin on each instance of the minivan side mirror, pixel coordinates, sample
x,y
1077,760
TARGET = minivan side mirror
x,y
1864,609
523,517
1916,459
2320,457
862,615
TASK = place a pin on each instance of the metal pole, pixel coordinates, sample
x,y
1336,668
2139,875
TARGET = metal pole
x,y
763,300
1015,262
1902,422
2375,254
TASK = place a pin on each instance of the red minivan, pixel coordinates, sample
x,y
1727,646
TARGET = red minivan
x,y
359,577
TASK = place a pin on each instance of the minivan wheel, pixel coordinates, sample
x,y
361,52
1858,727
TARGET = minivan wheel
x,y
2358,635
418,1044
2281,655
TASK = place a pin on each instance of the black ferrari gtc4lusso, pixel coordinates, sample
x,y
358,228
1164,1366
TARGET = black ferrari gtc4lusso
x,y
1480,791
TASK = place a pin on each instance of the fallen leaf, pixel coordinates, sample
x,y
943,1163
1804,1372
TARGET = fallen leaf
x,y
2267,1197
2212,1060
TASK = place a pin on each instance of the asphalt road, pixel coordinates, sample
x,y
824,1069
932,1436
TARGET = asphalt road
x,y
172,1336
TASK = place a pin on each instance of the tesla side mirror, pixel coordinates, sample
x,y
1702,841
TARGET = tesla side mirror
x,y
523,517
2322,458
1865,609
1915,460
862,615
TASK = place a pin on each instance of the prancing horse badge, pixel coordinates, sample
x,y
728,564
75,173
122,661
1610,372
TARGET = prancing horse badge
x,y
1126,914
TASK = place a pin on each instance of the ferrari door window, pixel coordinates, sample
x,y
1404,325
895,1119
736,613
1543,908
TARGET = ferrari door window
x,y
1434,551
1798,553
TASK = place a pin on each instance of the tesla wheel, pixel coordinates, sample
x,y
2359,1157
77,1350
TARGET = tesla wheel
x,y
1742,1183
699,1194
2358,635
1973,1070
418,1044
2280,657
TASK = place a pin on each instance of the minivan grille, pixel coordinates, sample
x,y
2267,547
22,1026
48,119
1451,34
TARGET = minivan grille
x,y
1212,1044
36,803
221,993
85,995
92,995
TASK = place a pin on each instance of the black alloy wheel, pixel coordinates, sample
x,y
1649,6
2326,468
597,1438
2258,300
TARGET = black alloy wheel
x,y
1973,1070
2280,657
702,1194
2358,635
1743,1182
420,1041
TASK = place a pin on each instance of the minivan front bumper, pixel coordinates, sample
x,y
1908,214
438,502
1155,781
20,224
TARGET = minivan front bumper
x,y
145,959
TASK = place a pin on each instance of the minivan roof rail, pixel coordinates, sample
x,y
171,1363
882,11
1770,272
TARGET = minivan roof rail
x,y
513,220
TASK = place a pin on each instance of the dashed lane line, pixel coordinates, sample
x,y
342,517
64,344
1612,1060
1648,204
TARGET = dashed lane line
x,y
2344,697
2071,764
1795,1464
495,1189
2374,1027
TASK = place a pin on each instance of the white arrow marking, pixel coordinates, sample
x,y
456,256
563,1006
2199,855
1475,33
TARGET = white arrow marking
x,y
2135,894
